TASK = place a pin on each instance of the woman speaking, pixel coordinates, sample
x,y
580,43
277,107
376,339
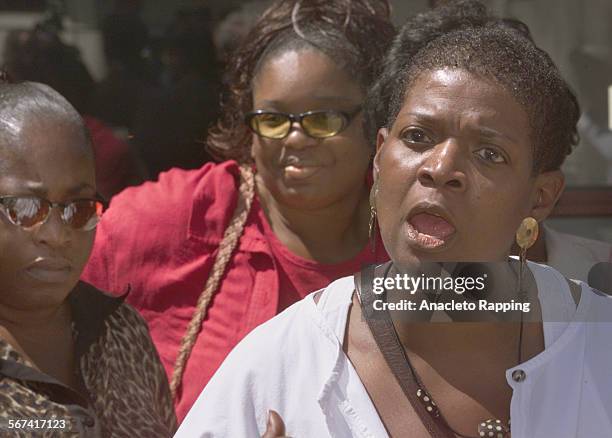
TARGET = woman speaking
x,y
475,122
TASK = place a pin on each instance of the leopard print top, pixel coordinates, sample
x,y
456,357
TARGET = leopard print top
x,y
125,391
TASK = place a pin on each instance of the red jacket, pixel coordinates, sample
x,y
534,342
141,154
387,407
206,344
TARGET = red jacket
x,y
160,240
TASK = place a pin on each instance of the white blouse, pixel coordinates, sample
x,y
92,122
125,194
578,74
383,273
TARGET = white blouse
x,y
295,365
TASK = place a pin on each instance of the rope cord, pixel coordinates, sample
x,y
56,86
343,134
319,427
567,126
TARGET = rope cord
x,y
226,248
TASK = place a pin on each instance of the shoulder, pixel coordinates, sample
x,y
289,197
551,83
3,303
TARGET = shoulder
x,y
127,320
277,349
575,256
596,246
593,304
274,337
167,206
154,224
566,245
314,317
176,188
124,330
92,309
284,364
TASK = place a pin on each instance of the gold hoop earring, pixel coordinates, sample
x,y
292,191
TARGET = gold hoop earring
x,y
373,217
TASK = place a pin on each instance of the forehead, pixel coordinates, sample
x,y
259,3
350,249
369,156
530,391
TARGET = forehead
x,y
46,152
458,95
304,76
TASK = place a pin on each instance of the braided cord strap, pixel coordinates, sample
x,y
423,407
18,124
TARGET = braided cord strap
x,y
226,248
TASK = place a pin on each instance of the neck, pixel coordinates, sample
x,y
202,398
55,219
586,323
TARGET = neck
x,y
331,234
44,338
26,321
464,335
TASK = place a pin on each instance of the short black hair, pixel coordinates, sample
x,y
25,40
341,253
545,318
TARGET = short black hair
x,y
461,34
19,102
354,33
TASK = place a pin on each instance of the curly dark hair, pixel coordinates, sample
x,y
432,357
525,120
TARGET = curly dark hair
x,y
355,33
461,34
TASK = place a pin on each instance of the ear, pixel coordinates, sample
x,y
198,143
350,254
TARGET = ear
x,y
548,188
381,136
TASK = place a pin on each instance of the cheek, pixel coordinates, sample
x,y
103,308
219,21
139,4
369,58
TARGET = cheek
x,y
83,244
494,213
397,175
504,202
11,242
266,154
351,153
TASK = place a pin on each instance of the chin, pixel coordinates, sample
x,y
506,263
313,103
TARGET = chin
x,y
303,198
40,299
47,291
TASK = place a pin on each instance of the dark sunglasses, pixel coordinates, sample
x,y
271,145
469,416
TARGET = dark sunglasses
x,y
29,211
316,124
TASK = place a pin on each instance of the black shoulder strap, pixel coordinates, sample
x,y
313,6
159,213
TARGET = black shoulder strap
x,y
389,344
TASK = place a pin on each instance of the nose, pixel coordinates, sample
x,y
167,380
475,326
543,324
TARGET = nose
x,y
297,138
53,232
442,167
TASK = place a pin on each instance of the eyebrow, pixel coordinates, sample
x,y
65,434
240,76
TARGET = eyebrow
x,y
492,133
482,131
73,191
334,99
79,188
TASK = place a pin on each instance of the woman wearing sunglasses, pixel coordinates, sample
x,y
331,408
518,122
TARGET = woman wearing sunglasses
x,y
475,123
212,253
73,360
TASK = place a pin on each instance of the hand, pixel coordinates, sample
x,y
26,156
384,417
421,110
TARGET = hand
x,y
275,427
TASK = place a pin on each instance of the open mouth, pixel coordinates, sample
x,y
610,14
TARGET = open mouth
x,y
430,229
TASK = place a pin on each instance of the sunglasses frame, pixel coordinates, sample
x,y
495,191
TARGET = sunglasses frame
x,y
51,205
347,117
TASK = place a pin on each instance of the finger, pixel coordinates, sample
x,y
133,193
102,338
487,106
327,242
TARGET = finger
x,y
275,426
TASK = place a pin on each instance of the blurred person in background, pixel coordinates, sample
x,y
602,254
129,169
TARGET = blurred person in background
x,y
173,118
40,55
291,197
590,164
593,69
74,361
231,30
125,38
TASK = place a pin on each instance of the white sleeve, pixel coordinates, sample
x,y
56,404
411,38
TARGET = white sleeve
x,y
226,407
256,377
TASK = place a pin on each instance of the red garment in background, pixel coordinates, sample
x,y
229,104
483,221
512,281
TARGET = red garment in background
x,y
160,239
115,167
298,276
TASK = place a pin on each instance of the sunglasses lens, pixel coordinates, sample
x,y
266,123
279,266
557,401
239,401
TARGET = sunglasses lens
x,y
271,125
83,214
323,124
26,212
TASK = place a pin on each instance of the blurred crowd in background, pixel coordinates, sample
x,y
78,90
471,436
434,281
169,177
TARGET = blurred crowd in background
x,y
150,105
151,110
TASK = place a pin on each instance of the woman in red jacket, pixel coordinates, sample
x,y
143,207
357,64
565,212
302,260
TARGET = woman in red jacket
x,y
293,115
